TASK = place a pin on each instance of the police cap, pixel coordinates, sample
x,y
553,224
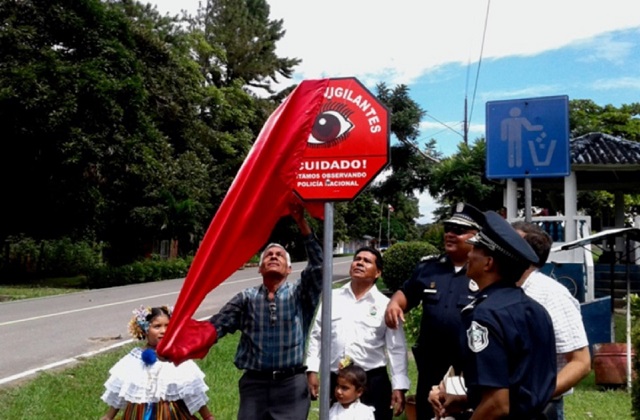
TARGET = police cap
x,y
466,215
498,236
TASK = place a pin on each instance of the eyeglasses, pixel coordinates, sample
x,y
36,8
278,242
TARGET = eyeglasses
x,y
456,229
272,313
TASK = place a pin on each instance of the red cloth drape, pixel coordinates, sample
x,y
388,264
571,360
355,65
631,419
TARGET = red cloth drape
x,y
258,197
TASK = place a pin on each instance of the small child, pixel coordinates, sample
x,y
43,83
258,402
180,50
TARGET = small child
x,y
351,383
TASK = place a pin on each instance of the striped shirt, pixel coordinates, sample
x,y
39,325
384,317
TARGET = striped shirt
x,y
564,311
273,337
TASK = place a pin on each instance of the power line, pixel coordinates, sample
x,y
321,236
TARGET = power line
x,y
467,118
484,35
417,149
444,124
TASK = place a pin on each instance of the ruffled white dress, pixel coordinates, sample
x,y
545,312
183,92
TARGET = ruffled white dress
x,y
355,411
132,382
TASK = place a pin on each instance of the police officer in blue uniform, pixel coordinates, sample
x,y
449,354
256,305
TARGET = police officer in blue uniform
x,y
440,283
509,345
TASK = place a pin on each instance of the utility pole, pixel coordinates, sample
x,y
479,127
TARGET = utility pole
x,y
388,224
465,126
380,226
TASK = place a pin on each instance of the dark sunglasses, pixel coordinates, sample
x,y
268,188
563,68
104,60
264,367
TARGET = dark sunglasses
x,y
272,313
456,229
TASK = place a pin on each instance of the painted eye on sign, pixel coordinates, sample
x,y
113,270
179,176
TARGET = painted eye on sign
x,y
348,145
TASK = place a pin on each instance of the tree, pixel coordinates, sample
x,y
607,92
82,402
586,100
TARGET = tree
x,y
358,218
587,117
243,41
409,167
233,45
99,108
462,178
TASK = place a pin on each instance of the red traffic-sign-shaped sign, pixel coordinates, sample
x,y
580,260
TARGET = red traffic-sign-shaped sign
x,y
348,145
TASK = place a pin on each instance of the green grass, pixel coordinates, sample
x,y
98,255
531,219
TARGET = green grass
x,y
27,292
75,392
590,401
42,288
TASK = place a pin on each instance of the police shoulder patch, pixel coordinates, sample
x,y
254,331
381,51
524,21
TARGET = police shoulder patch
x,y
477,337
473,286
428,258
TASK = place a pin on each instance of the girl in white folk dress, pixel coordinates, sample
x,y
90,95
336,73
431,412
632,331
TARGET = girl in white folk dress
x,y
145,388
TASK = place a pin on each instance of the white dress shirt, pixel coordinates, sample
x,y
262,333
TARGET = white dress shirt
x,y
355,411
358,331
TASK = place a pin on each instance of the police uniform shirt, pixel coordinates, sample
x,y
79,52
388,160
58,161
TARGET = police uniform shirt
x,y
443,293
509,343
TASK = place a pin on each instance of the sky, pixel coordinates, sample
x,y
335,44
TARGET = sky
x,y
478,50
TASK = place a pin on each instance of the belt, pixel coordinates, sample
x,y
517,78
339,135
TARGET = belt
x,y
377,371
276,375
382,370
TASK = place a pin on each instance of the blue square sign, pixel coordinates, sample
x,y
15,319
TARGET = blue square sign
x,y
528,138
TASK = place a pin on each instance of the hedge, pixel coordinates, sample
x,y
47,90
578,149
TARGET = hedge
x,y
401,259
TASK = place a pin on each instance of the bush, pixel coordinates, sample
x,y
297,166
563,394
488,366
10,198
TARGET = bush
x,y
401,259
412,320
434,235
138,272
26,258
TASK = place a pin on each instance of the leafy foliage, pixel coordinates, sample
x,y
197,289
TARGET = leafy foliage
x,y
112,117
412,320
409,170
244,37
401,259
462,178
25,258
587,117
358,218
91,116
409,165
145,271
434,234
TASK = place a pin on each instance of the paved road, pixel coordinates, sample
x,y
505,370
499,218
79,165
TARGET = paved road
x,y
40,334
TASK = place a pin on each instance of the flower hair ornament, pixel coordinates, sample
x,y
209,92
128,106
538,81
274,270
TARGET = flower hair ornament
x,y
344,362
139,326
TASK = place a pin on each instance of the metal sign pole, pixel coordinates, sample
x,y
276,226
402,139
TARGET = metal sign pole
x,y
325,333
335,168
527,200
612,289
628,314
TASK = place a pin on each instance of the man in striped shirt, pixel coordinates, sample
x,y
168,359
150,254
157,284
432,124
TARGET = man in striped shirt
x,y
572,346
274,320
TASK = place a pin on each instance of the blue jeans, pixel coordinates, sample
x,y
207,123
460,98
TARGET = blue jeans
x,y
554,410
560,407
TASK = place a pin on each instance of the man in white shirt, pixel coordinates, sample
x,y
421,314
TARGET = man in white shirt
x,y
359,335
572,346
